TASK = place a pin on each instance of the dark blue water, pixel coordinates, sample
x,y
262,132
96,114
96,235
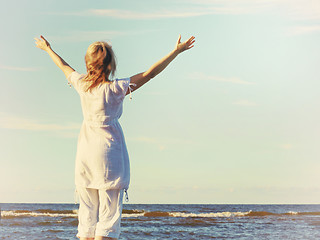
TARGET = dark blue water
x,y
168,221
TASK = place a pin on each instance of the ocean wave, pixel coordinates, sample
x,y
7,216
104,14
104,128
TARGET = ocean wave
x,y
157,214
210,215
133,215
56,211
132,211
223,214
309,213
137,213
262,213
22,213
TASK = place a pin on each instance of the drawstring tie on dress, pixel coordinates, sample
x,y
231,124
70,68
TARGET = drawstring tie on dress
x,y
130,89
126,195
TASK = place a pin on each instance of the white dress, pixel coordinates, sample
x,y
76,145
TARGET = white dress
x,y
102,160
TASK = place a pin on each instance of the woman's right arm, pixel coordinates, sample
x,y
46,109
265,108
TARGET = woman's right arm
x,y
142,78
63,65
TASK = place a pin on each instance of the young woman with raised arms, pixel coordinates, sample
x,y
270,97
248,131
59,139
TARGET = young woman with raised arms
x,y
102,171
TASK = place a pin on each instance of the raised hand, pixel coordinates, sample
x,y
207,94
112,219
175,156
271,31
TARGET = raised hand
x,y
42,43
63,65
182,46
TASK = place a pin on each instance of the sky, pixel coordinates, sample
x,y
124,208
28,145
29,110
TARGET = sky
x,y
236,119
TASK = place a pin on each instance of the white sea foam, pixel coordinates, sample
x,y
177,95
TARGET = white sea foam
x,y
210,215
132,215
199,215
74,214
36,214
125,215
292,212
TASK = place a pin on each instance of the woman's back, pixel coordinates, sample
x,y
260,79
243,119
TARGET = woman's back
x,y
102,160
102,104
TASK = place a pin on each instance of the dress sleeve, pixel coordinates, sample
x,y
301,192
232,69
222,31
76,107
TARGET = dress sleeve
x,y
74,79
120,87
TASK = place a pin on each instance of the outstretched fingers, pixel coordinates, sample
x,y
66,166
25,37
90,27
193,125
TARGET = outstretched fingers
x,y
37,42
190,42
191,39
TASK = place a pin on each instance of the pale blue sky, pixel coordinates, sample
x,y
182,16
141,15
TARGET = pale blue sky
x,y
234,120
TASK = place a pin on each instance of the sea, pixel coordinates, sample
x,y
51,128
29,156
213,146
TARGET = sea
x,y
168,221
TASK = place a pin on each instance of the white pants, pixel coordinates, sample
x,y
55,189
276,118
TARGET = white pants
x,y
99,212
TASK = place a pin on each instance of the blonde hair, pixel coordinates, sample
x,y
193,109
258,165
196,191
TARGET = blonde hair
x,y
100,62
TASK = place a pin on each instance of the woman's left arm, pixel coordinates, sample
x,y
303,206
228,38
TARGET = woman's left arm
x,y
45,45
142,78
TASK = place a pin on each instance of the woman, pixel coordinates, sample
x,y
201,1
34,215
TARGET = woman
x,y
102,171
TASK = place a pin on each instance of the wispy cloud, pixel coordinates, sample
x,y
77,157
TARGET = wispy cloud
x,y
245,103
295,9
299,30
155,93
143,139
191,8
235,7
153,140
148,140
231,80
306,11
161,143
90,36
187,11
20,69
138,15
286,146
8,121
300,9
235,80
84,36
127,14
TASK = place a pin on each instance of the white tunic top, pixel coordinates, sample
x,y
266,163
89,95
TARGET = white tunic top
x,y
102,159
